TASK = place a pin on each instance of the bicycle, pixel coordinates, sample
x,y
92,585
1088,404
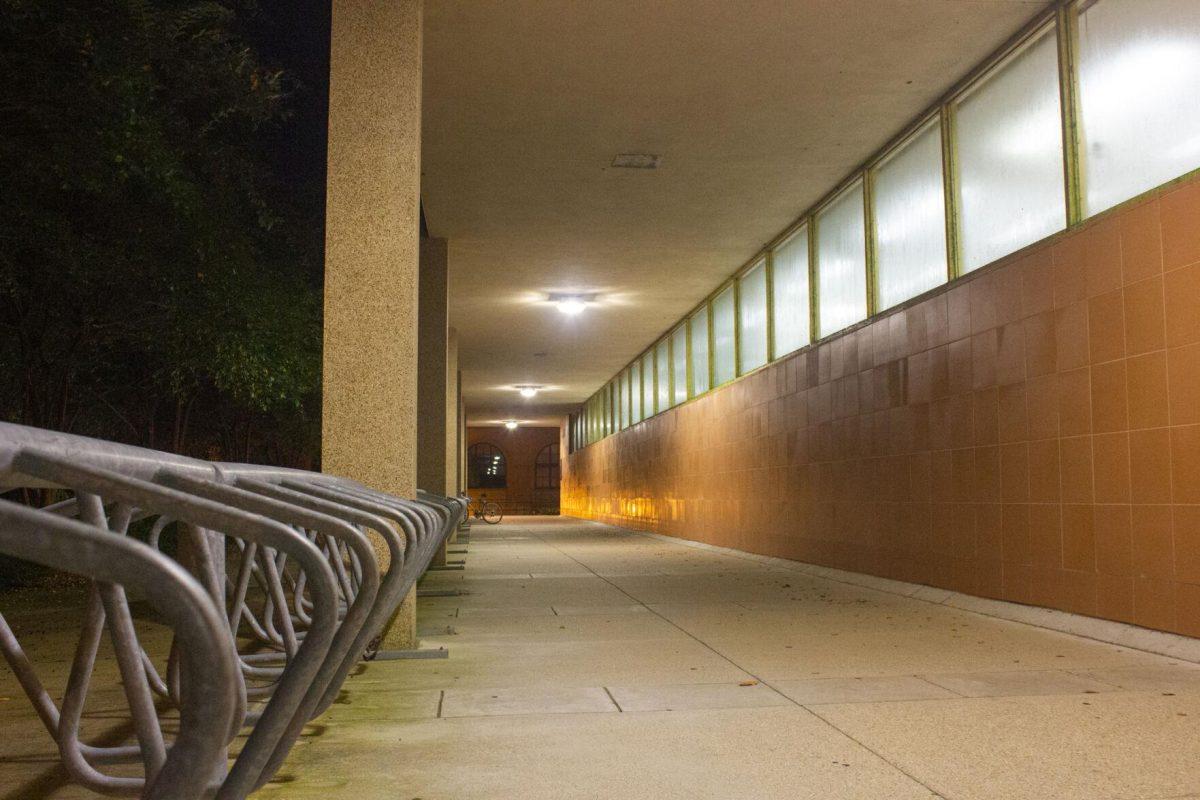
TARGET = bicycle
x,y
486,510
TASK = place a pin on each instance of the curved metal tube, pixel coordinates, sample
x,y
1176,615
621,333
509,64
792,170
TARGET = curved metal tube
x,y
197,756
304,538
294,682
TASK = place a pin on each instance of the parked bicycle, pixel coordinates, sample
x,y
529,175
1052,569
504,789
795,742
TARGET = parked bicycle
x,y
486,510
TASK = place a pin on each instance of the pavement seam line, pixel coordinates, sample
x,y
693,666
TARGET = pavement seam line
x,y
608,692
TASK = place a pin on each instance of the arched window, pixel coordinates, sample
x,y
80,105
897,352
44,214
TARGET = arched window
x,y
486,467
546,474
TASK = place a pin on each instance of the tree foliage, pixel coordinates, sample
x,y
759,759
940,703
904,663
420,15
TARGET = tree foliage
x,y
159,283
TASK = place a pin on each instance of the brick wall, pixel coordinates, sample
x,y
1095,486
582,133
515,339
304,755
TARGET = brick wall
x,y
520,448
1030,433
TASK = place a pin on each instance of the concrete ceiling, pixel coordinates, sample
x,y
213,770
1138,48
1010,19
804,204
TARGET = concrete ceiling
x,y
756,107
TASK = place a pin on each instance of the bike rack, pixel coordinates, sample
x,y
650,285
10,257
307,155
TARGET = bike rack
x,y
273,593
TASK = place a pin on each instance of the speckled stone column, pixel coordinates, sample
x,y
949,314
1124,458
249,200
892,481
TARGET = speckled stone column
x,y
371,226
453,401
433,382
462,438
433,424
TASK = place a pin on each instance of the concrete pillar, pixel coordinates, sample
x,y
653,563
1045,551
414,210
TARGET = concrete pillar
x,y
454,405
368,424
462,438
452,402
434,420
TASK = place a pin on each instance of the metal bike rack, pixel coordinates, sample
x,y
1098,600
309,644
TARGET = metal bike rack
x,y
273,594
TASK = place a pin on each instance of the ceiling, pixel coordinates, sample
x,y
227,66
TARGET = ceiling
x,y
756,109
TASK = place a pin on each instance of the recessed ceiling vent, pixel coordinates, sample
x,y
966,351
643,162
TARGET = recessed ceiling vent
x,y
635,161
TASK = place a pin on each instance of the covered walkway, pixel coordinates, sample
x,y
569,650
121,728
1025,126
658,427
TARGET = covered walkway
x,y
587,662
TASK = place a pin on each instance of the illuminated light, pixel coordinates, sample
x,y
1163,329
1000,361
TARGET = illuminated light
x,y
529,391
511,425
571,306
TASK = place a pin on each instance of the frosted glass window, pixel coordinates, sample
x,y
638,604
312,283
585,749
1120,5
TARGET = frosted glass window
x,y
613,405
635,400
699,323
679,365
602,413
622,401
647,385
1139,82
752,302
842,261
724,363
910,219
789,283
611,398
606,411
1010,156
663,365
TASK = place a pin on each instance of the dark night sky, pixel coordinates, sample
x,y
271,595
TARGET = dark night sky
x,y
294,35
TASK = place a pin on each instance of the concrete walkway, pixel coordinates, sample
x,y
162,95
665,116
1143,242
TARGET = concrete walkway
x,y
590,662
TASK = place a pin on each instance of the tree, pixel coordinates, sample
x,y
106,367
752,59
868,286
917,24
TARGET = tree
x,y
158,282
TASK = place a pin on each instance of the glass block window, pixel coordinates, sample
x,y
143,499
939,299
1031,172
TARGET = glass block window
x,y
648,385
699,325
662,364
842,261
623,400
910,218
752,318
724,360
635,393
1139,85
789,279
679,390
1010,155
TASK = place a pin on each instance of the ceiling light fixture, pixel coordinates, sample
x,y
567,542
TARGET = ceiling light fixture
x,y
529,391
511,424
572,304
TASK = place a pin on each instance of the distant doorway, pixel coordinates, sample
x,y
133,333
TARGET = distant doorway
x,y
547,474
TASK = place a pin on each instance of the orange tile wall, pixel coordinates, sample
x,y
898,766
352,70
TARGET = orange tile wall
x,y
1030,433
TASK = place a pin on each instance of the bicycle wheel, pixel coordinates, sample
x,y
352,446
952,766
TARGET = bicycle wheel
x,y
492,513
